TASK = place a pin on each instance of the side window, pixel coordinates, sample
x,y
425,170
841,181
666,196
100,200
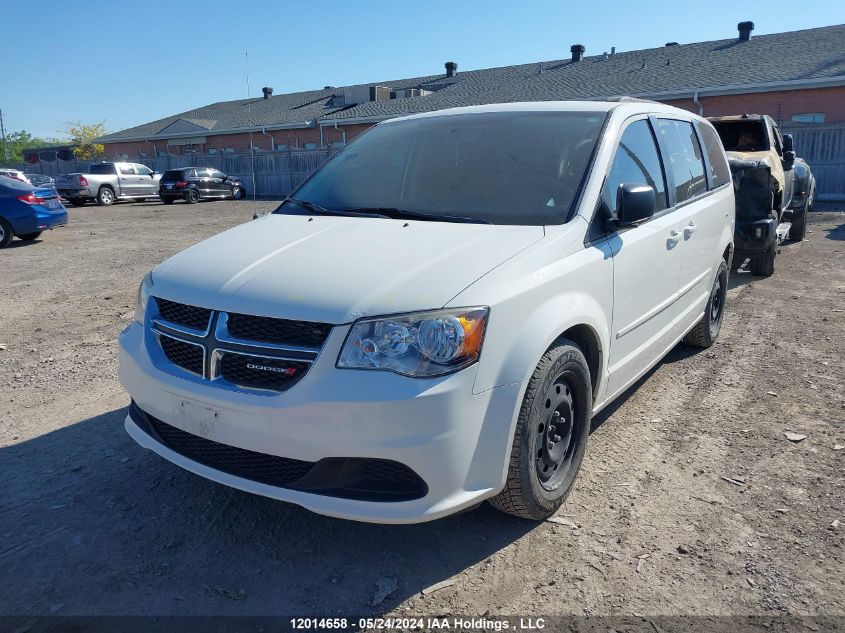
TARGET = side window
x,y
683,158
217,174
720,173
127,170
143,170
636,162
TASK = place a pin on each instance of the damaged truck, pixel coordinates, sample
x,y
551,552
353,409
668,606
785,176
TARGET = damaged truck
x,y
771,186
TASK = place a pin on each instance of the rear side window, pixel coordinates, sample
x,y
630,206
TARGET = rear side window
x,y
720,173
636,162
683,158
102,170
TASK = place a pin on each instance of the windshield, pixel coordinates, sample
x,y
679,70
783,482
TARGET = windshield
x,y
501,167
742,136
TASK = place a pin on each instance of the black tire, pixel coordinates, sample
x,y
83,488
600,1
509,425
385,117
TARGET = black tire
x,y
237,193
551,435
798,230
28,237
105,197
765,266
167,200
6,233
77,202
706,331
192,196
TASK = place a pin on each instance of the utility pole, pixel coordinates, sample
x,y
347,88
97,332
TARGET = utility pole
x,y
3,135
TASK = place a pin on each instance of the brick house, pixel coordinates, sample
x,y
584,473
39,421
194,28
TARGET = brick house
x,y
796,77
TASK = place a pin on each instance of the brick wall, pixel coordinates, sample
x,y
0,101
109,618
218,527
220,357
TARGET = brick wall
x,y
239,142
779,105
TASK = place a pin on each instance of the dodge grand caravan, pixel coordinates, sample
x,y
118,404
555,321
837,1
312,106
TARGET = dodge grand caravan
x,y
434,316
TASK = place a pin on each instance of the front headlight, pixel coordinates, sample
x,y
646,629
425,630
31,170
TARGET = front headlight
x,y
421,344
144,292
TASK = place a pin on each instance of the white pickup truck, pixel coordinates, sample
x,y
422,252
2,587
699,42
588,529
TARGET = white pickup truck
x,y
106,183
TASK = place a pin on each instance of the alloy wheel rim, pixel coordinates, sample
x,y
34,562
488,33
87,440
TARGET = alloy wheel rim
x,y
2,233
557,431
107,197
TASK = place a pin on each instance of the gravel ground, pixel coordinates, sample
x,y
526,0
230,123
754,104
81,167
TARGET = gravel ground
x,y
92,524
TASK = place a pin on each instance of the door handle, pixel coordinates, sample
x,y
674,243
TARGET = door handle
x,y
690,229
674,236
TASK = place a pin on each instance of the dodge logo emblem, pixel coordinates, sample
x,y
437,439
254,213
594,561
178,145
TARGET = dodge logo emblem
x,y
287,371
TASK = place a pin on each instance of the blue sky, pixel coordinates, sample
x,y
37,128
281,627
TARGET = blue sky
x,y
129,63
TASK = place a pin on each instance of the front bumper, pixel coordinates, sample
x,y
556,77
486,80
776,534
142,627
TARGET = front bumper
x,y
457,442
753,239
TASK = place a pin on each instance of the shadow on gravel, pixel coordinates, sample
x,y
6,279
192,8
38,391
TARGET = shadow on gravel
x,y
23,244
836,234
93,524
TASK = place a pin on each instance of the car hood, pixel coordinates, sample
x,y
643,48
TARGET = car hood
x,y
335,269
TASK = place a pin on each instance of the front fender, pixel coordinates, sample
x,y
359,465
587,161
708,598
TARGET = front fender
x,y
556,284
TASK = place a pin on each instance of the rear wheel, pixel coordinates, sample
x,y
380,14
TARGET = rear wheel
x,y
167,200
105,197
192,196
28,237
77,202
765,266
798,230
706,331
6,233
551,435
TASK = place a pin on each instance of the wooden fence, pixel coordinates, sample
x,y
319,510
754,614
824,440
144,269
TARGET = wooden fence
x,y
823,147
278,173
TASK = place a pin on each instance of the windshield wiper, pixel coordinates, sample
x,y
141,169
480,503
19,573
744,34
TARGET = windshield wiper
x,y
407,214
318,210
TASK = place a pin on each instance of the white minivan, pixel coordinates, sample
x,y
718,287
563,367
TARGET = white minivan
x,y
432,319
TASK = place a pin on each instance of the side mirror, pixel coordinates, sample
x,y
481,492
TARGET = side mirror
x,y
788,143
634,204
788,159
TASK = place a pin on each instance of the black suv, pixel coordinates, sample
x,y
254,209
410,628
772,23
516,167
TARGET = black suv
x,y
192,184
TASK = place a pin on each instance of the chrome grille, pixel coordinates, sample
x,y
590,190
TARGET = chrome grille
x,y
257,354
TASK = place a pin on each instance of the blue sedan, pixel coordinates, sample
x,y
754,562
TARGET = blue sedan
x,y
27,211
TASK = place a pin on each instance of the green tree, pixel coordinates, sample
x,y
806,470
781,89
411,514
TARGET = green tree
x,y
83,136
16,142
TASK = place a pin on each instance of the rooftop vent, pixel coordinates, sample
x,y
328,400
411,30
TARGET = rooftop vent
x,y
577,51
451,69
745,29
671,44
268,92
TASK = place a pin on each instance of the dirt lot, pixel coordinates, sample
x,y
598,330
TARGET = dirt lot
x,y
92,524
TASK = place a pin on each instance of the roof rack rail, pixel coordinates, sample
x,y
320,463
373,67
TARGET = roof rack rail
x,y
627,99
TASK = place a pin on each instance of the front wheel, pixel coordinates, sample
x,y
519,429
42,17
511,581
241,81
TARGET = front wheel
x,y
798,230
551,435
706,331
764,266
